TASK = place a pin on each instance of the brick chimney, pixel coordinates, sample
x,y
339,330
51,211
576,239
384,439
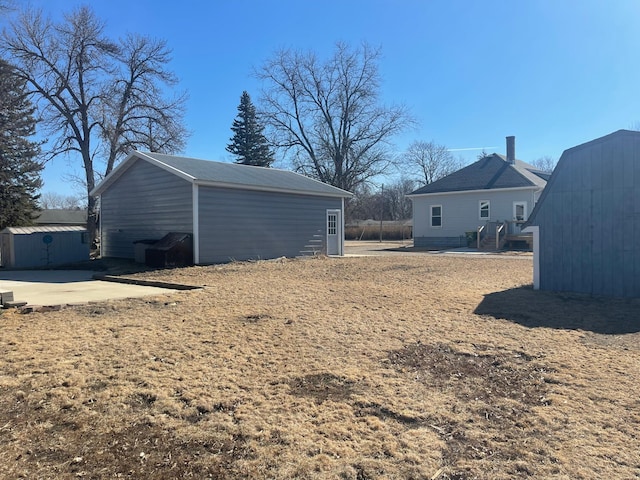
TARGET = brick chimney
x,y
511,150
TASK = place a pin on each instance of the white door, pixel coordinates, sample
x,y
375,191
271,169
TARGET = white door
x,y
519,215
334,232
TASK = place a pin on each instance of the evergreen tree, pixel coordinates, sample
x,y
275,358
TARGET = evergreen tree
x,y
248,143
19,168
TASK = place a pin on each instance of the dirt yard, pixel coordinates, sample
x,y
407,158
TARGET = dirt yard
x,y
398,367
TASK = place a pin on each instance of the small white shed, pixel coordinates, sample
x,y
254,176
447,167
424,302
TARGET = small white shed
x,y
46,246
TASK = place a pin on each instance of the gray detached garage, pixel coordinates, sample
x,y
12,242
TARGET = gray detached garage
x,y
586,224
233,212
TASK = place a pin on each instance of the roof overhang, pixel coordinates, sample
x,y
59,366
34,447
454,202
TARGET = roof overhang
x,y
127,163
412,196
257,188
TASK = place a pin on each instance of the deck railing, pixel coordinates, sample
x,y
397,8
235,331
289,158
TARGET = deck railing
x,y
481,234
501,231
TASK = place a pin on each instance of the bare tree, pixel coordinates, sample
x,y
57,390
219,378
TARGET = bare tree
x,y
434,161
6,6
399,206
96,97
57,200
135,113
545,164
327,116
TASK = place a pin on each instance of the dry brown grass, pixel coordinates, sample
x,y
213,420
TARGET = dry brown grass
x,y
356,368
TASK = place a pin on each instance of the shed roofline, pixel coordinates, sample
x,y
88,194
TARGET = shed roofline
x,y
560,166
123,166
242,186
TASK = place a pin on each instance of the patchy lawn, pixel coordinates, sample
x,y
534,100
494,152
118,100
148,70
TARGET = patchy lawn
x,y
423,367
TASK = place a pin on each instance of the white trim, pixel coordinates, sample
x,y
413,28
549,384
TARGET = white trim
x,y
431,225
342,236
535,229
128,162
488,202
485,190
195,209
525,204
339,229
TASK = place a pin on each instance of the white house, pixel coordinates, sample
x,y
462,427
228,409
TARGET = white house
x,y
489,193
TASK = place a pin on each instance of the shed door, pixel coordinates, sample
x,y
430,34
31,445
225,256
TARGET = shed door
x,y
334,232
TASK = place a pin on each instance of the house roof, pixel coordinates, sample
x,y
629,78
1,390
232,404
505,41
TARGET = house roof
x,y
563,164
58,216
42,229
489,173
228,175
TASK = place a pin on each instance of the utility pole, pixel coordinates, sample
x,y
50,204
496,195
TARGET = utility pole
x,y
381,208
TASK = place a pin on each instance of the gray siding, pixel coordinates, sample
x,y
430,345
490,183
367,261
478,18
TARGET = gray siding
x,y
30,250
460,211
145,203
243,224
589,220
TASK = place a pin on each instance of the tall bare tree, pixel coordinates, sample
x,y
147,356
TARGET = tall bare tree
x,y
96,97
433,161
327,116
136,114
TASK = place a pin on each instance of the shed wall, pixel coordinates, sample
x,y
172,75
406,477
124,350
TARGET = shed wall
x,y
146,202
461,214
31,251
589,221
243,224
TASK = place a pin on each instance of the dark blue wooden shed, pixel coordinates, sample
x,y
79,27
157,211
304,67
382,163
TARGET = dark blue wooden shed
x,y
586,224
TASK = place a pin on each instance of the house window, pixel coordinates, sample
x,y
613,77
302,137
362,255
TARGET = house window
x,y
436,215
485,213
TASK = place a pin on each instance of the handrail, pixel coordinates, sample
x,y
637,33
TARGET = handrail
x,y
479,235
499,229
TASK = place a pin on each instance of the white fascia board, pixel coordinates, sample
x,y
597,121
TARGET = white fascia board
x,y
126,163
113,175
258,188
166,167
483,190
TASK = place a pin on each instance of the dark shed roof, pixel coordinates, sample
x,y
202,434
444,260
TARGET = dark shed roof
x,y
230,175
59,216
564,163
490,172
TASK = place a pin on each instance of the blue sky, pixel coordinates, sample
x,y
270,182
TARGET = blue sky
x,y
554,73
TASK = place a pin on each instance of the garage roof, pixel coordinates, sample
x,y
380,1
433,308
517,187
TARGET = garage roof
x,y
229,175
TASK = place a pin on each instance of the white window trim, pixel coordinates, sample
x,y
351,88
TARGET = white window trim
x,y
431,207
526,209
488,202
